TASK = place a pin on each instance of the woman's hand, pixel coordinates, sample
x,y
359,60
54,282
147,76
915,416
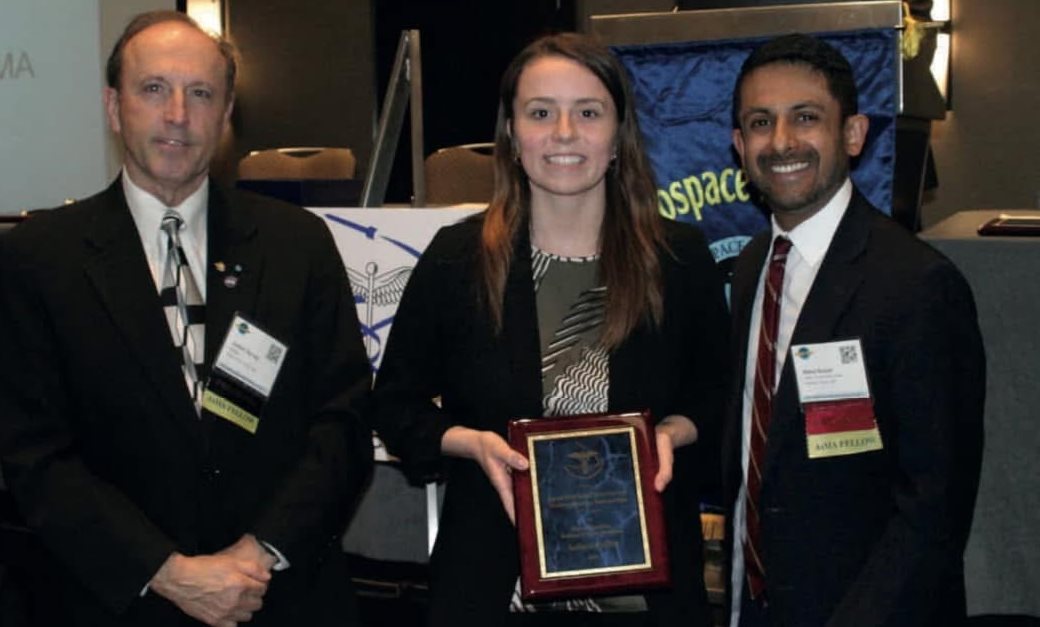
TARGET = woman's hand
x,y
493,454
671,433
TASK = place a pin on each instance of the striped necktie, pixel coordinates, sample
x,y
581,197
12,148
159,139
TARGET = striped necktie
x,y
183,305
765,383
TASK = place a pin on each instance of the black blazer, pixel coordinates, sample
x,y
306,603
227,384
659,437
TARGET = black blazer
x,y
100,442
874,538
442,344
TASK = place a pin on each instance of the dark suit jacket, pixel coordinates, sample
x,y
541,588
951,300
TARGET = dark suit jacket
x,y
101,445
874,538
442,344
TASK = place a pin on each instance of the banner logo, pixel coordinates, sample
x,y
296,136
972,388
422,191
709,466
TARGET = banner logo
x,y
378,282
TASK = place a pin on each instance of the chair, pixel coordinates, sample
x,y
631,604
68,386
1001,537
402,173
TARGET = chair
x,y
460,174
6,224
298,163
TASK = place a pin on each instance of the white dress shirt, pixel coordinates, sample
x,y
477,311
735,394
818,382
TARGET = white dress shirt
x,y
809,243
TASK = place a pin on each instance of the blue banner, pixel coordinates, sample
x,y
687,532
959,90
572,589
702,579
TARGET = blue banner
x,y
684,96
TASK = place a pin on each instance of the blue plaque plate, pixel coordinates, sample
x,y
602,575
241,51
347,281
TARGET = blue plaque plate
x,y
589,517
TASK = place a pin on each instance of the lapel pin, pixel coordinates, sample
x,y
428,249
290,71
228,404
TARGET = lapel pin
x,y
219,266
231,280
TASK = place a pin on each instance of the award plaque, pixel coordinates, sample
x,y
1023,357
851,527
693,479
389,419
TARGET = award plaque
x,y
588,517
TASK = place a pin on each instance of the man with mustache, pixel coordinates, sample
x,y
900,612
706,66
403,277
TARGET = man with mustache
x,y
181,373
852,454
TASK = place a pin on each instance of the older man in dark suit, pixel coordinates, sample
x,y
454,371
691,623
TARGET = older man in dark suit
x,y
200,463
852,455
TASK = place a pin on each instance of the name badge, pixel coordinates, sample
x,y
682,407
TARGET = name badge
x,y
835,396
830,371
243,374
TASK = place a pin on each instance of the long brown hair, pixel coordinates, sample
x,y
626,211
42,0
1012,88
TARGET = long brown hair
x,y
631,236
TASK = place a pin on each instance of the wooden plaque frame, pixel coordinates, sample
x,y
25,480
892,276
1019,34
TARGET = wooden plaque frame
x,y
538,580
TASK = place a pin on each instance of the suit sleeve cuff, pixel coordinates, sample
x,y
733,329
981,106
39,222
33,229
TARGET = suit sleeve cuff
x,y
281,563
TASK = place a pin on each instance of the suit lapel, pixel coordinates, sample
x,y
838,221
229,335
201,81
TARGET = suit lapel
x,y
117,268
236,267
746,271
742,297
520,331
840,276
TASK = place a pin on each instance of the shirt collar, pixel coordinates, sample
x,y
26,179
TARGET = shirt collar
x,y
812,237
148,211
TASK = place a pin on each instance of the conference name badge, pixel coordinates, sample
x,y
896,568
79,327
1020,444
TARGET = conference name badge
x,y
835,396
243,374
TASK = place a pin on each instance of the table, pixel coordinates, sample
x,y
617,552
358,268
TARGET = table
x,y
1002,561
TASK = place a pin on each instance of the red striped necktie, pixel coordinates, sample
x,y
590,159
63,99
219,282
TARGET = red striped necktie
x,y
765,382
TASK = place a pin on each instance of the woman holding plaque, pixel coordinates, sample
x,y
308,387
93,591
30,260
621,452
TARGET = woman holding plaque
x,y
569,295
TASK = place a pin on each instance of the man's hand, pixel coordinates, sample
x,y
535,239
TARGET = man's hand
x,y
248,548
220,590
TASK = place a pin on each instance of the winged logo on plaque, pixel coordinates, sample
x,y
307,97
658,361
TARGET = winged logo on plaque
x,y
584,464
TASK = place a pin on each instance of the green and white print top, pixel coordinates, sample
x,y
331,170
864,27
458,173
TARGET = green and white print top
x,y
571,304
571,307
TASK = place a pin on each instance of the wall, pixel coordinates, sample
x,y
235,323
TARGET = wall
x,y
309,78
586,8
465,48
306,76
985,151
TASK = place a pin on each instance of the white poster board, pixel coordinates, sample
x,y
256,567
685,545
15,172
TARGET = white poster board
x,y
394,521
50,103
379,249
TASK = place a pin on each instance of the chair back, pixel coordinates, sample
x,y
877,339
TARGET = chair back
x,y
8,222
460,174
298,163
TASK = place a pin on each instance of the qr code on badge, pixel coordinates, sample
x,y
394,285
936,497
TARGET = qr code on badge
x,y
849,354
274,353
